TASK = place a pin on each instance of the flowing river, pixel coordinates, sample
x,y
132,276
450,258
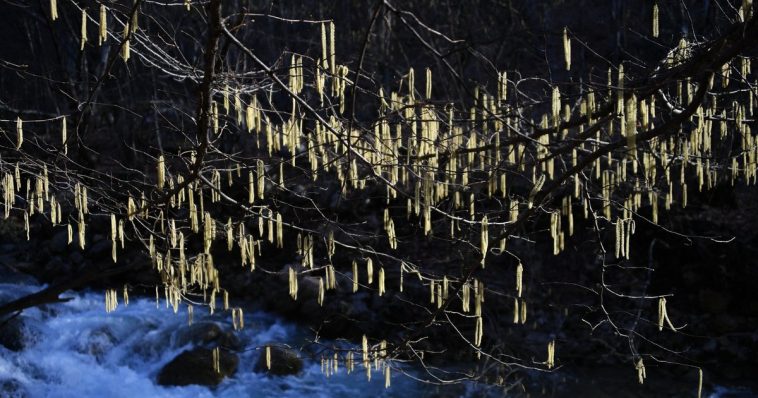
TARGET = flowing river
x,y
76,349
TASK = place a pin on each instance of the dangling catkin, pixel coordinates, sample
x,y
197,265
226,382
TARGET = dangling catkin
x,y
324,50
550,354
566,48
19,133
370,270
125,51
484,239
103,25
64,135
268,357
161,171
293,283
53,9
320,291
428,83
519,279
381,281
655,20
84,29
355,276
640,366
332,51
387,377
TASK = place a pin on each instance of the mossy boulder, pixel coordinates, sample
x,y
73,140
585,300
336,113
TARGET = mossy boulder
x,y
284,362
196,367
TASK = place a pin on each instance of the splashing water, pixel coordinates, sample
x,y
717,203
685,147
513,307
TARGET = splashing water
x,y
76,349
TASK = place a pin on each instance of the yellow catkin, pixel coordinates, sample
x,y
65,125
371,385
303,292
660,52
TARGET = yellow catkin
x,y
19,133
261,175
279,231
355,276
26,224
161,172
484,239
324,49
640,367
83,39
566,48
64,135
103,25
370,271
82,231
53,9
321,291
381,281
519,279
125,49
364,349
515,310
550,354
428,83
655,20
293,283
332,51
114,232
217,360
268,357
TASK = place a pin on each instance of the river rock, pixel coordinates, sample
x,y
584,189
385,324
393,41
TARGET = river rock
x,y
196,367
207,334
98,343
59,243
12,389
284,361
13,334
101,250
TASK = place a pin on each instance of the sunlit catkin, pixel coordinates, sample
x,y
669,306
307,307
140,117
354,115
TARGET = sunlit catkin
x,y
293,283
428,83
550,363
321,291
655,20
566,48
161,172
370,271
114,232
519,279
332,51
484,239
640,367
103,25
381,281
261,175
268,357
83,38
125,49
19,133
324,49
53,9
